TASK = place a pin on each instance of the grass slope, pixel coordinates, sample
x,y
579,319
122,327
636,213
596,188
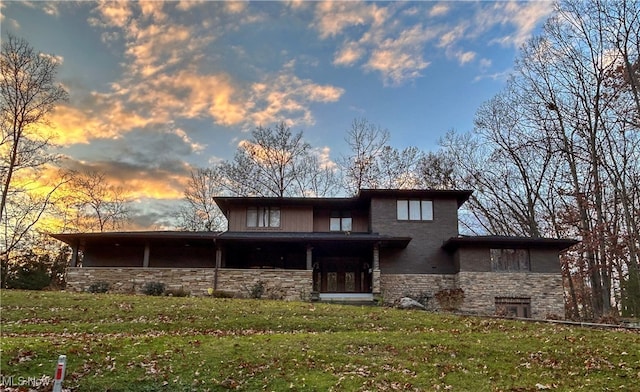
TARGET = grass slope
x,y
139,343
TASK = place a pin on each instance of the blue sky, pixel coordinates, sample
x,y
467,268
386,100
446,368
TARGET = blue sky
x,y
158,88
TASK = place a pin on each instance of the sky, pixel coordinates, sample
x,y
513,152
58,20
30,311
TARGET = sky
x,y
157,89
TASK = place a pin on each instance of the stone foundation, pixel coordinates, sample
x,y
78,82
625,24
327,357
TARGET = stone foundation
x,y
279,284
396,286
481,290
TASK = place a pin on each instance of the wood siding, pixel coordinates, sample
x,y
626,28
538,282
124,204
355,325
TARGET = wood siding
x,y
321,220
292,219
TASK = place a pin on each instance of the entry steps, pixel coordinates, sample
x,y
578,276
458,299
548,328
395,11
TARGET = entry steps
x,y
348,298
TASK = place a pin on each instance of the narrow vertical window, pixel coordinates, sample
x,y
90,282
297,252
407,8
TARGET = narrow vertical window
x,y
252,216
427,209
403,209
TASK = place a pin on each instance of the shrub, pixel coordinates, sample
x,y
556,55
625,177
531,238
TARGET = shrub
x,y
181,292
220,294
450,299
99,287
257,290
29,278
153,288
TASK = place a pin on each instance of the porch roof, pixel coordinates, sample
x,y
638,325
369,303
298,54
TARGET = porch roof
x,y
315,238
497,241
133,236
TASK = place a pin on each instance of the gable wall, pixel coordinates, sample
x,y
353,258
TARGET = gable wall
x,y
424,254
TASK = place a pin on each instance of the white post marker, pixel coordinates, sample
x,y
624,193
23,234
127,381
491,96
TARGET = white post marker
x,y
59,377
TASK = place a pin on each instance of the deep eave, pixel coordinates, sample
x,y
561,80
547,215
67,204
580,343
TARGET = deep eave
x,y
315,238
491,241
128,236
460,196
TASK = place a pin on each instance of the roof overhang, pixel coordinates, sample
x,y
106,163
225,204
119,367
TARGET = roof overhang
x,y
314,238
559,244
460,196
82,239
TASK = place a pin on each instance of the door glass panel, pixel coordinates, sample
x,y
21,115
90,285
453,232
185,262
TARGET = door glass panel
x,y
349,281
332,281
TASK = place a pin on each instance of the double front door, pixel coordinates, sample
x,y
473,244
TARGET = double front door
x,y
342,275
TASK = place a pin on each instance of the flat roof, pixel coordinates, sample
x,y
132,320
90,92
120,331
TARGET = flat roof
x,y
81,239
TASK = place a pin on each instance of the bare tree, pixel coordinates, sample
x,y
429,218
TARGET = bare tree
x,y
95,205
200,212
557,152
29,93
367,142
277,163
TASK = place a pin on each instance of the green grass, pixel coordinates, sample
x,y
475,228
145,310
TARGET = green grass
x,y
140,343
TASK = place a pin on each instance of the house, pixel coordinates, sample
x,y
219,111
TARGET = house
x,y
381,244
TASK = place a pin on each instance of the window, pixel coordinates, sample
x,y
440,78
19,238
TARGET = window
x,y
415,210
263,217
513,307
340,221
510,260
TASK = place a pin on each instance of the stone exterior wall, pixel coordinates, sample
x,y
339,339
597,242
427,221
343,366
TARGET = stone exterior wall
x,y
396,286
281,284
481,290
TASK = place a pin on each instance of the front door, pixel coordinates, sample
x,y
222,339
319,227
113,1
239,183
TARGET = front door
x,y
342,275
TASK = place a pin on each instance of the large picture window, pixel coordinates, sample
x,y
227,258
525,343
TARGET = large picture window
x,y
510,260
415,210
263,217
340,221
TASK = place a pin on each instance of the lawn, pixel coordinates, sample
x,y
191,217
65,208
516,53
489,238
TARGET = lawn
x,y
140,343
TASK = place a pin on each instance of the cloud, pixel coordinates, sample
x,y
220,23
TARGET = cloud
x,y
400,59
285,97
116,13
374,36
333,17
439,10
349,54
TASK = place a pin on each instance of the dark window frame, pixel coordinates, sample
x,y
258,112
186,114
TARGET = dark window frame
x,y
264,217
417,213
513,306
510,260
343,219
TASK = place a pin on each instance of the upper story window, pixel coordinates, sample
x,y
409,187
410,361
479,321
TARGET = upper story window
x,y
340,221
263,217
415,210
510,260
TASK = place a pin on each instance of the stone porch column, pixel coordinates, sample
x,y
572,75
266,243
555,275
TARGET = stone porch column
x,y
375,278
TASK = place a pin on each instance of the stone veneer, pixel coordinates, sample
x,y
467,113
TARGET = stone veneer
x,y
481,290
284,284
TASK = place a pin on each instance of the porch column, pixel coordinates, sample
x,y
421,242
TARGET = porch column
x,y
309,257
375,276
74,256
218,264
147,250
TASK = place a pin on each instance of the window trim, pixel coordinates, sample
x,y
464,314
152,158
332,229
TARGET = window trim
x,y
267,213
343,217
511,267
507,306
414,210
